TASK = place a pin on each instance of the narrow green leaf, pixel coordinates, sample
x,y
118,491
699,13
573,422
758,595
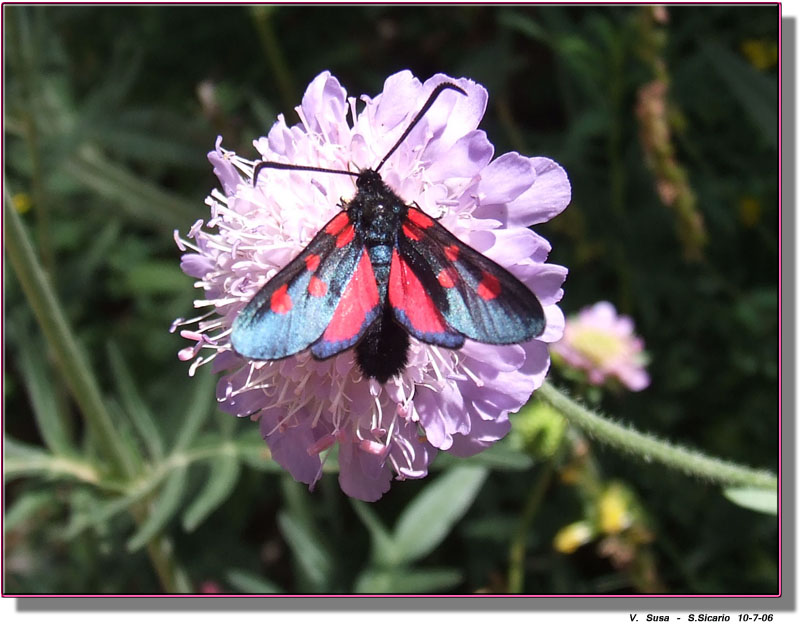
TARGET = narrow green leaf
x,y
428,519
759,499
500,457
39,382
28,506
756,92
197,411
381,540
401,580
155,278
221,481
22,460
134,405
516,21
312,557
111,508
139,196
164,508
248,582
141,143
70,357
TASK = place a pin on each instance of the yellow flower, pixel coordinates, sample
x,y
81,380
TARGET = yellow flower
x,y
749,211
761,53
571,537
22,202
612,510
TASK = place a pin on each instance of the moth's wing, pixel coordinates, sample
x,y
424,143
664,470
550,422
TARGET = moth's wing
x,y
358,307
415,301
294,308
473,295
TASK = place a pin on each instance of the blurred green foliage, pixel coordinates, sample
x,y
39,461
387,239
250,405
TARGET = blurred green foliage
x,y
110,112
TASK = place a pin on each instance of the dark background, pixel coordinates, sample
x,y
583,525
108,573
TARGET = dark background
x,y
106,139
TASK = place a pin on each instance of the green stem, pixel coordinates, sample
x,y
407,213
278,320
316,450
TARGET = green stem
x,y
160,550
26,65
76,371
654,449
516,566
72,363
262,16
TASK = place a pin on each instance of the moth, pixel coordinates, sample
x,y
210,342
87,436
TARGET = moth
x,y
381,271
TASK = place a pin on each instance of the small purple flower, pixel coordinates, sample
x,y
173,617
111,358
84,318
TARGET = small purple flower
x,y
602,343
450,400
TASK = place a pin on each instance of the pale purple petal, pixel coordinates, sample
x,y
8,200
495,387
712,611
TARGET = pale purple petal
x,y
484,435
503,180
196,265
465,159
547,197
289,445
363,475
226,172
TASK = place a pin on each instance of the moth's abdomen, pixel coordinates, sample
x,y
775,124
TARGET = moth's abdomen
x,y
383,351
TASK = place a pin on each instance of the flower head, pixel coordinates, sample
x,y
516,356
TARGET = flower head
x,y
602,343
444,399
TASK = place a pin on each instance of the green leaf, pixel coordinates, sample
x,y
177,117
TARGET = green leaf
x,y
71,359
428,519
426,580
759,499
756,92
111,508
141,198
134,405
516,21
27,507
312,557
162,511
221,481
198,410
154,278
248,582
500,457
381,539
39,382
22,460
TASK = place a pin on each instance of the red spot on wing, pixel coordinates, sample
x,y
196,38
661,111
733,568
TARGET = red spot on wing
x,y
411,234
345,237
489,287
337,224
280,302
423,221
416,222
447,277
407,294
312,262
451,252
360,297
317,287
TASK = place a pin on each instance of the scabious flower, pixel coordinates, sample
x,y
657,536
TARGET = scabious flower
x,y
602,343
457,401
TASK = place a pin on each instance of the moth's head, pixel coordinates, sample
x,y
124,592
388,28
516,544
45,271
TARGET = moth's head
x,y
370,181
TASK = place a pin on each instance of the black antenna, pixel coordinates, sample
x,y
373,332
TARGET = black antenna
x,y
428,104
281,166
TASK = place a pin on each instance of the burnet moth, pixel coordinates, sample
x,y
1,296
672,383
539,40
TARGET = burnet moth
x,y
379,271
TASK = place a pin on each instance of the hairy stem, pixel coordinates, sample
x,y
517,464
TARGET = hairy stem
x,y
653,449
